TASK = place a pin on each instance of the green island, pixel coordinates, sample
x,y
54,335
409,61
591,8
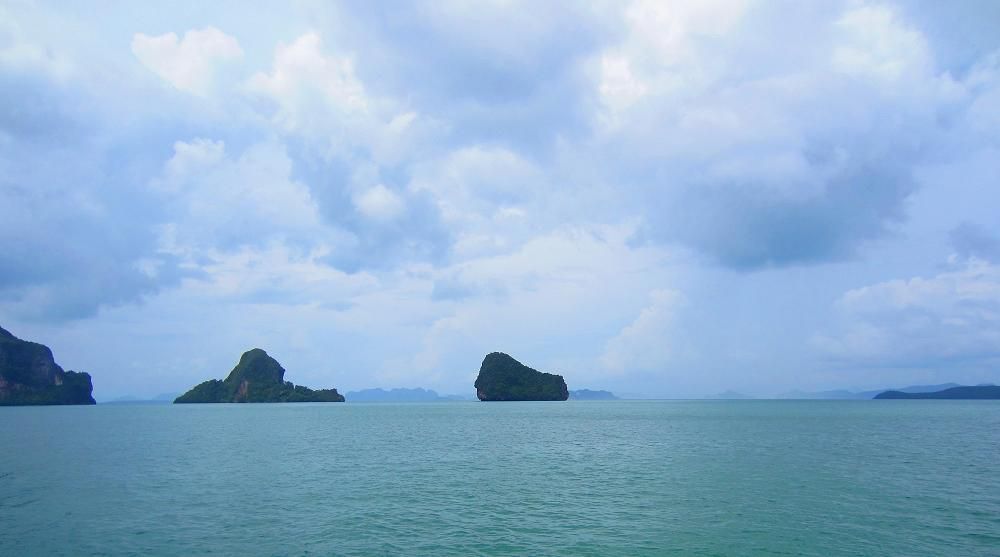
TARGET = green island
x,y
29,376
256,378
502,378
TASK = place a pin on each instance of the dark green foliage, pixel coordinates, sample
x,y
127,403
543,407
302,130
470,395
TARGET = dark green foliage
x,y
76,388
504,378
30,376
255,365
212,390
256,378
981,392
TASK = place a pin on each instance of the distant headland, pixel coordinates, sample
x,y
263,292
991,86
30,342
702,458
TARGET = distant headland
x,y
256,378
587,394
502,378
977,392
401,395
29,376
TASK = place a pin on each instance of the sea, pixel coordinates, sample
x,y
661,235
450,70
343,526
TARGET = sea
x,y
824,478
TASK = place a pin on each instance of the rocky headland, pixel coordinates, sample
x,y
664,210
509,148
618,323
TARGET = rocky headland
x,y
977,392
30,376
256,378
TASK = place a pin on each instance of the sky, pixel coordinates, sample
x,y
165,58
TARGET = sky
x,y
660,198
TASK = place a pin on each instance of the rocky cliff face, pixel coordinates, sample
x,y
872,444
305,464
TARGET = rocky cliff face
x,y
256,378
30,376
504,378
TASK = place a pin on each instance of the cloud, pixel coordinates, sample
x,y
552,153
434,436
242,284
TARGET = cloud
x,y
877,45
342,141
949,322
276,273
798,158
310,87
384,225
460,65
494,199
214,201
983,83
379,203
662,51
970,240
314,93
20,54
959,34
189,64
75,232
469,185
648,343
65,251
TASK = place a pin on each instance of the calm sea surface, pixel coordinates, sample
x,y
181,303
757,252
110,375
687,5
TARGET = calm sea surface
x,y
575,478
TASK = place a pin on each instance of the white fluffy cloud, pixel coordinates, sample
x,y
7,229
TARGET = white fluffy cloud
x,y
214,200
943,322
189,63
648,343
664,52
379,203
876,44
307,84
313,91
470,184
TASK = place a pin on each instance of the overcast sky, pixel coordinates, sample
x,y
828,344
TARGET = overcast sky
x,y
656,197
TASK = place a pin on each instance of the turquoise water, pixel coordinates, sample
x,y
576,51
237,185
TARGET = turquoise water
x,y
575,478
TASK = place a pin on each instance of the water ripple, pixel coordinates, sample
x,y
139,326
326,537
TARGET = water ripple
x,y
623,478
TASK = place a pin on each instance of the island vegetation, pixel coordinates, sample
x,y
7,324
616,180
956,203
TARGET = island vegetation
x,y
30,376
256,378
502,378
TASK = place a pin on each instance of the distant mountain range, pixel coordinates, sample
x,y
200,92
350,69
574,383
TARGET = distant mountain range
x,y
731,395
843,394
165,398
402,395
863,395
428,395
587,394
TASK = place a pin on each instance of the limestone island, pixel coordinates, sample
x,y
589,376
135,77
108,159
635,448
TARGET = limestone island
x,y
504,378
257,378
29,376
